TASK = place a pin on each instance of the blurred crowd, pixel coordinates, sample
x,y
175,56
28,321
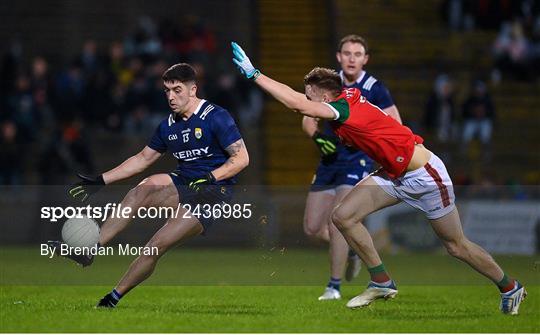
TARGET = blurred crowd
x,y
488,14
452,123
516,49
468,124
48,109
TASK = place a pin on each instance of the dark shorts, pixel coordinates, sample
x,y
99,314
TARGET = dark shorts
x,y
330,176
200,204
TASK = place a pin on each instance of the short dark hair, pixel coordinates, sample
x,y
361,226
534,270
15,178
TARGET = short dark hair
x,y
353,39
181,72
326,79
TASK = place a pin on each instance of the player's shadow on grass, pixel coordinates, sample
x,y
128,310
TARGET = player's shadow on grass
x,y
225,309
405,308
214,309
428,314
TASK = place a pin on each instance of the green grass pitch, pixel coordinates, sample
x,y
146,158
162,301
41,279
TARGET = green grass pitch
x,y
255,290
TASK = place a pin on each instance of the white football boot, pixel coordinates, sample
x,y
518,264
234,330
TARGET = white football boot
x,y
510,300
372,293
330,293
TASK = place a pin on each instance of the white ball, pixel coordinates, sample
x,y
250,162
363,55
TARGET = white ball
x,y
80,232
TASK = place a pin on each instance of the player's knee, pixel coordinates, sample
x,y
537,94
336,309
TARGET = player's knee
x,y
456,248
342,219
311,229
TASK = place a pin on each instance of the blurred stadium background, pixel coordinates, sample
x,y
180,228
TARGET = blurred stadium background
x,y
81,91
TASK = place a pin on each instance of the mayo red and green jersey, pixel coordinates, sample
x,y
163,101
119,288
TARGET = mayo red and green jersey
x,y
376,93
360,124
199,142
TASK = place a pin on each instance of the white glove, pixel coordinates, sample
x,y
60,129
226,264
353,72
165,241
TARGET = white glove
x,y
244,64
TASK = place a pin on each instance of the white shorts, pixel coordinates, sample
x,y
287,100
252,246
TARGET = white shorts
x,y
428,188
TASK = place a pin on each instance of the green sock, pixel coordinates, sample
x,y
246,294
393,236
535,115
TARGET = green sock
x,y
506,284
378,274
504,281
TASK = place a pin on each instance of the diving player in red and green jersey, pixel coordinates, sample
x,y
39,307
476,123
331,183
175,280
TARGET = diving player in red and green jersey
x,y
410,173
341,167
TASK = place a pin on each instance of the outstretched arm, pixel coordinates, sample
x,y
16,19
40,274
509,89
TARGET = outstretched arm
x,y
294,100
132,166
281,92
